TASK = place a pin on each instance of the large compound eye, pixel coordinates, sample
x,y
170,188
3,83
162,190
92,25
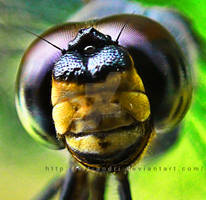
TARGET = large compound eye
x,y
33,86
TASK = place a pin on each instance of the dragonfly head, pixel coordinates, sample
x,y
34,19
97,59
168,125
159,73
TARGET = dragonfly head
x,y
100,108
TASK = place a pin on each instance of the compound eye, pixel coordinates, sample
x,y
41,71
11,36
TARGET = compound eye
x,y
89,49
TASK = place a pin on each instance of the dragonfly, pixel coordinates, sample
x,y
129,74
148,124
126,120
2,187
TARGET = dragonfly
x,y
90,11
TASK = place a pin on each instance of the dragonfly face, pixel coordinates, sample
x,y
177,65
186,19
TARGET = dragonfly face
x,y
100,98
90,89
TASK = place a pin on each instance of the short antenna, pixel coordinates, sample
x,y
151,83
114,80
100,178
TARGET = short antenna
x,y
62,50
121,32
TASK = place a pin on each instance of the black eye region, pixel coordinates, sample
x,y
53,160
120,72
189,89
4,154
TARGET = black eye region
x,y
91,56
89,37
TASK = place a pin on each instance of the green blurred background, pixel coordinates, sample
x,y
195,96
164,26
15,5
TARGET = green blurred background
x,y
25,166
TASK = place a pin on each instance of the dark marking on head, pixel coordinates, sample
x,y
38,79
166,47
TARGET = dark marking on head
x,y
89,37
90,57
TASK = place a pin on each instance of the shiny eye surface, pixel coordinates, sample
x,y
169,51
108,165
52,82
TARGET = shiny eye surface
x,y
89,49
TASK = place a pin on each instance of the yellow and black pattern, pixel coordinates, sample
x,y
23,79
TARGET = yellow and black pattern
x,y
105,125
116,150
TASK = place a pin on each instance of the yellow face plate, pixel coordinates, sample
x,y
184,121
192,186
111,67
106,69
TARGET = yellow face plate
x,y
91,117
